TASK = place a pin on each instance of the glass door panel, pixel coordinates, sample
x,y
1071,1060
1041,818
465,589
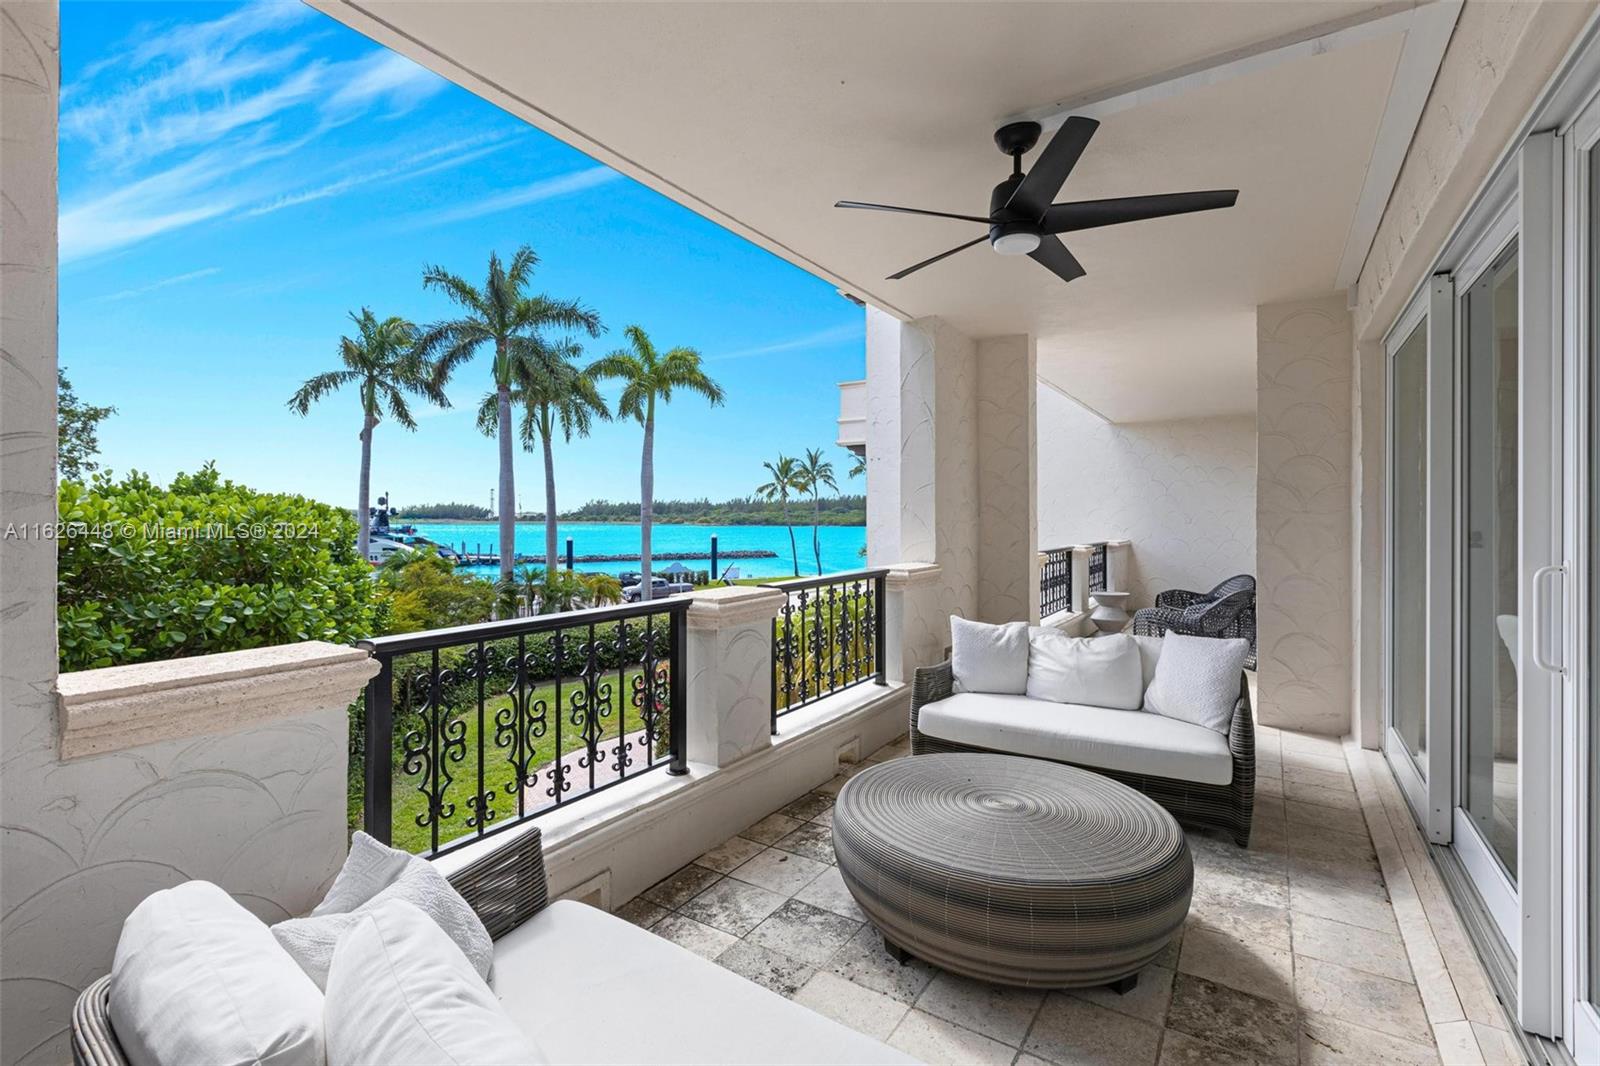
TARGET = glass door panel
x,y
1408,654
1490,624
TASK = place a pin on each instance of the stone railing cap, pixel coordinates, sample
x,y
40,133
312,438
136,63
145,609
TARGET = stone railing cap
x,y
911,575
112,682
733,605
122,707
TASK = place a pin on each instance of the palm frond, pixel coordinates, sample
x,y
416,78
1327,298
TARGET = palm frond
x,y
319,386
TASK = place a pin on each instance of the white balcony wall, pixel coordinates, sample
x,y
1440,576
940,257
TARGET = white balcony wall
x,y
1183,491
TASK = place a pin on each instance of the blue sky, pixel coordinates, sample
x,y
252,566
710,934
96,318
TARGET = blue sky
x,y
236,179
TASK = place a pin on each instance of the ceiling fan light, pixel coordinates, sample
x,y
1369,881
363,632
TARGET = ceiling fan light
x,y
1016,243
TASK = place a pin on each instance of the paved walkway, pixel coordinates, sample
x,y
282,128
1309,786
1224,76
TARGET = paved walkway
x,y
1291,954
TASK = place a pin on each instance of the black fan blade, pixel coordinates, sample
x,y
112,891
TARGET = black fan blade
x,y
1054,257
1050,170
1088,214
941,255
858,205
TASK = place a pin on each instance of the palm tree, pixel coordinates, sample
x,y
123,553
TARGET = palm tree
x,y
647,376
553,394
531,583
816,472
384,362
501,315
602,588
858,465
785,484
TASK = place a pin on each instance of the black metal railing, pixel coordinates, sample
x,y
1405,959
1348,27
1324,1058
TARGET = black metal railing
x,y
1097,567
1055,582
468,731
827,637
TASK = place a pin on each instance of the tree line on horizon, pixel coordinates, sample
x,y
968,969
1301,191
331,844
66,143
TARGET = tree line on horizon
x,y
842,510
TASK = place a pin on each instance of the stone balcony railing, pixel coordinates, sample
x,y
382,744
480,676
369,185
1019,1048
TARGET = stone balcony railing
x,y
233,768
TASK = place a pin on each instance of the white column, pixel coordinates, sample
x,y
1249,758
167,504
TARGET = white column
x,y
1304,373
922,455
1117,565
917,629
729,663
1080,577
1008,484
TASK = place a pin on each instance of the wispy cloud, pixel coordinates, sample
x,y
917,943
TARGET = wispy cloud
x,y
546,189
383,77
819,339
182,88
416,165
164,283
204,187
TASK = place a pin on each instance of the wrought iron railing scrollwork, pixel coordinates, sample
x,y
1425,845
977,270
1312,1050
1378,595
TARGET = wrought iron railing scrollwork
x,y
1097,567
828,636
1055,582
466,732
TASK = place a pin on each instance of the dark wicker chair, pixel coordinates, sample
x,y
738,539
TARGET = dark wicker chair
x,y
1227,807
1227,611
506,887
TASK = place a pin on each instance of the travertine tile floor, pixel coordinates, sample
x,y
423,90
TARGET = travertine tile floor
x,y
1291,953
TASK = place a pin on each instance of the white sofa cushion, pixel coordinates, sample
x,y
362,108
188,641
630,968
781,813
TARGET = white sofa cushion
x,y
1098,671
564,974
988,658
1130,741
1149,656
372,874
1197,680
197,978
400,993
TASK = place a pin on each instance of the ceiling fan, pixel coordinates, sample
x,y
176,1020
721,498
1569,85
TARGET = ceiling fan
x,y
1023,221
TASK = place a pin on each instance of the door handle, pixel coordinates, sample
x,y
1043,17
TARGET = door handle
x,y
1539,615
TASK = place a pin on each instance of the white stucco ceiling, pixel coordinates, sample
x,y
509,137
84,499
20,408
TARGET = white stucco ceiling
x,y
762,115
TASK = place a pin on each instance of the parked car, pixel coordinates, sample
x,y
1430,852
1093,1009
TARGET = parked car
x,y
662,588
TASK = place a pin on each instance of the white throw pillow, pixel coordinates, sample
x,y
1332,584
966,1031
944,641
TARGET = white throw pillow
x,y
400,993
197,978
989,658
1197,680
1095,671
374,874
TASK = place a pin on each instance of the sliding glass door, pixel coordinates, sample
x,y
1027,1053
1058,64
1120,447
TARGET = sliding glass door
x,y
1490,626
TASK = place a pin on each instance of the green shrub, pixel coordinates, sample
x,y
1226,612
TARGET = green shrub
x,y
203,565
424,591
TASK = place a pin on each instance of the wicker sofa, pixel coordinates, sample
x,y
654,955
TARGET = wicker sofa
x,y
563,970
1228,611
1206,782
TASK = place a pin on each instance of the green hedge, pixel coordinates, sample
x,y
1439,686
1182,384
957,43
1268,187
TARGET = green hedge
x,y
203,565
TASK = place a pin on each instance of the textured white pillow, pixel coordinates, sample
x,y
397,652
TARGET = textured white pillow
x,y
374,874
1197,680
1095,671
197,978
989,658
400,993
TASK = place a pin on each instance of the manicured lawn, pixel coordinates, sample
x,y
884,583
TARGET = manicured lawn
x,y
409,803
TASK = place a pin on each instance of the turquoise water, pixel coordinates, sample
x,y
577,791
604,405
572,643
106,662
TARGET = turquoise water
x,y
841,545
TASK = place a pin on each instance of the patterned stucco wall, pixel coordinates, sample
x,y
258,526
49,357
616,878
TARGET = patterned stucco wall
x,y
1008,574
260,812
1304,358
1184,493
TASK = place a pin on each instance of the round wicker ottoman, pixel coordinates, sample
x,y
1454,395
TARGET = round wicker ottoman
x,y
1012,870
